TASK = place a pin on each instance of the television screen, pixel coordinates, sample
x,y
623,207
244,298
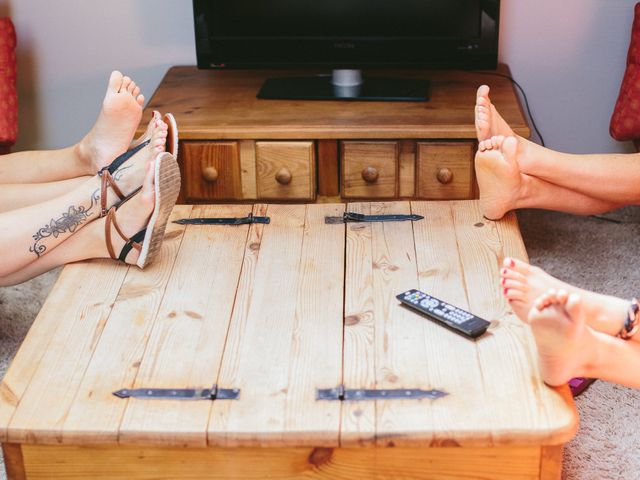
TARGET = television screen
x,y
346,33
344,19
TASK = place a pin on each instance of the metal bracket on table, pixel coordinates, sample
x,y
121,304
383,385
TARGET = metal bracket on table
x,y
344,394
249,219
348,217
213,393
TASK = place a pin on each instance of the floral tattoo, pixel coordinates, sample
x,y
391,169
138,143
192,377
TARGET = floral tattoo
x,y
68,222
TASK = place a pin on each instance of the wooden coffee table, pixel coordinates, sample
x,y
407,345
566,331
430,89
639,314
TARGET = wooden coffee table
x,y
277,311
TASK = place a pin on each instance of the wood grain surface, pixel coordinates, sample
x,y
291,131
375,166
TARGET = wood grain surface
x,y
222,105
279,310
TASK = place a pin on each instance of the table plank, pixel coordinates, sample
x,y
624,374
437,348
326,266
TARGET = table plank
x,y
460,417
187,341
399,355
285,336
508,359
358,421
93,414
55,352
562,416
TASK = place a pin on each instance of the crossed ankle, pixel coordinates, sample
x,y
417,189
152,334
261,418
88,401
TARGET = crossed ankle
x,y
83,161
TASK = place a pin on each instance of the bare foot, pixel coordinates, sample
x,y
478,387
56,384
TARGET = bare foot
x,y
499,178
155,118
130,174
489,122
523,283
117,122
132,217
564,341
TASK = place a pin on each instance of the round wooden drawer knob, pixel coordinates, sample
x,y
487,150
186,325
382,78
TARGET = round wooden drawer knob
x,y
210,174
370,174
283,177
444,176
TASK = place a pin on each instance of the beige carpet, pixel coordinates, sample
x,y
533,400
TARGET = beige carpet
x,y
593,253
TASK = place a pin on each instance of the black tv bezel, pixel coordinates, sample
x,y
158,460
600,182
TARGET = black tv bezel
x,y
468,54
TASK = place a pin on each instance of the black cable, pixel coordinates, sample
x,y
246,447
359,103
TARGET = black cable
x,y
524,96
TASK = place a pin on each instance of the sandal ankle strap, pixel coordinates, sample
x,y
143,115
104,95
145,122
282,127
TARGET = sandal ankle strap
x,y
133,242
107,180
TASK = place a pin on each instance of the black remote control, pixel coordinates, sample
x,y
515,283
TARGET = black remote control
x,y
460,321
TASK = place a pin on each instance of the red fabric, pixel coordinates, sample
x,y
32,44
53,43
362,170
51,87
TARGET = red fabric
x,y
8,93
625,121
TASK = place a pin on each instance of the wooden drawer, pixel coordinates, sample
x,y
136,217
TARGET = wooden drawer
x,y
444,170
211,170
285,170
369,169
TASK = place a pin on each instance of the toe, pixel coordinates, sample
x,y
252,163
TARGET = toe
x,y
574,306
515,284
482,94
115,81
509,273
544,300
562,296
126,81
514,294
518,266
509,148
496,141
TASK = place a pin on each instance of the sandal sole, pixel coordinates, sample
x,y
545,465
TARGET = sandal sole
x,y
172,134
167,187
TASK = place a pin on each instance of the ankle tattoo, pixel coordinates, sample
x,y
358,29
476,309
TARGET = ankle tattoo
x,y
67,223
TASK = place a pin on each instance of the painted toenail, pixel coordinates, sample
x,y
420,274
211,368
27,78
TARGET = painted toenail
x,y
504,281
505,291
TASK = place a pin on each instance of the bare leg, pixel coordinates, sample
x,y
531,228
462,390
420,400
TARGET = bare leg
x,y
14,196
110,136
523,284
90,241
618,172
504,187
568,347
31,232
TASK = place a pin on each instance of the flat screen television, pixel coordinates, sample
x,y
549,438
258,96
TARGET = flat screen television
x,y
345,36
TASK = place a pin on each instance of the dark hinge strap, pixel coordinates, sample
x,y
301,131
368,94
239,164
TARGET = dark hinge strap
x,y
348,217
343,394
249,219
213,393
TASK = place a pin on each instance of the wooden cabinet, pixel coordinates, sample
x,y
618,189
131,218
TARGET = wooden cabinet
x,y
236,147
